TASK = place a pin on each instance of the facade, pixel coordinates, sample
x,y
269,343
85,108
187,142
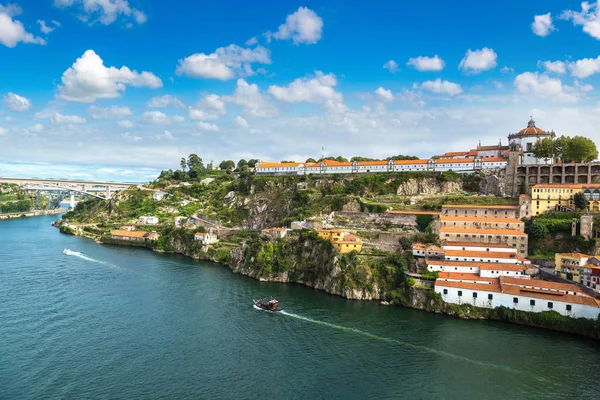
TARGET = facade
x,y
526,138
500,211
342,240
484,256
483,270
274,233
206,237
559,197
482,222
145,220
516,239
531,295
134,236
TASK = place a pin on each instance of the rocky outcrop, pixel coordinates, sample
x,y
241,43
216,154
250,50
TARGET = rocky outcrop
x,y
493,183
429,186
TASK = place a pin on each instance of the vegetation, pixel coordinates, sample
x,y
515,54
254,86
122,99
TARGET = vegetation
x,y
14,199
581,203
575,149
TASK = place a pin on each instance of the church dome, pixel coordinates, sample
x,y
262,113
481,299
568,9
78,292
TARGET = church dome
x,y
531,129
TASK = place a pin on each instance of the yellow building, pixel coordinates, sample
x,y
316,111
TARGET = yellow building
x,y
548,197
568,265
343,241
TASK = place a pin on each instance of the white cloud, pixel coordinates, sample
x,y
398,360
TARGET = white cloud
x,y
8,118
130,138
3,131
441,87
60,119
479,60
391,65
423,63
588,18
16,103
558,67
88,80
248,96
166,135
47,28
211,107
224,64
240,122
104,11
37,128
126,124
303,26
252,41
585,67
160,118
543,86
507,70
384,94
317,89
12,31
207,127
165,101
109,112
542,25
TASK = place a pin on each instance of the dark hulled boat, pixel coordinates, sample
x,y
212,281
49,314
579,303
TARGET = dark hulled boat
x,y
267,305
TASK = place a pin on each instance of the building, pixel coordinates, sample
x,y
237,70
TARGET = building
x,y
530,295
134,236
274,233
481,222
491,211
514,238
342,240
144,220
559,197
158,195
127,228
206,237
526,138
180,221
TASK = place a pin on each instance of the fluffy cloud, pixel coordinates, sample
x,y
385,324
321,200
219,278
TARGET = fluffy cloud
x,y
109,112
224,64
160,118
104,11
60,119
303,26
391,66
422,63
211,107
588,18
441,87
3,131
317,89
558,67
130,138
126,124
88,80
37,128
207,127
47,28
585,67
12,31
542,25
479,60
16,103
541,85
507,70
384,94
165,101
166,135
240,122
248,96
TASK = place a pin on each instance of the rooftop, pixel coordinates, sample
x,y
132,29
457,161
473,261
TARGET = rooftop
x,y
490,207
131,234
448,243
480,265
481,254
481,219
507,232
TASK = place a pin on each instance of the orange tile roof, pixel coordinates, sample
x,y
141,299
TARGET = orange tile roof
x,y
404,162
480,265
454,153
131,234
556,186
273,229
454,161
201,233
277,165
499,207
574,255
508,232
471,244
464,276
547,295
481,219
480,254
494,159
538,283
489,287
378,162
333,163
418,246
472,152
408,212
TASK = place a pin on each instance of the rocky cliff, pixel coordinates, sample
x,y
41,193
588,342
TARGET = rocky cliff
x,y
428,186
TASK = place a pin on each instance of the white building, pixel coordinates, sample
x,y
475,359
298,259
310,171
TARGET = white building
x,y
206,237
158,195
467,246
180,221
483,270
485,257
144,220
527,138
525,295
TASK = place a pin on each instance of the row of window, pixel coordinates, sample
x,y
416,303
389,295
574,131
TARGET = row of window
x,y
515,299
481,236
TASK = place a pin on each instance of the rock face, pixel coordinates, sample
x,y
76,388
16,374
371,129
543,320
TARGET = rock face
x,y
428,186
493,183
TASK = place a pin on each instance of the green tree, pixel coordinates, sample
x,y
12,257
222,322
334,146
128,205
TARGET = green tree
x,y
242,163
544,148
581,149
560,147
310,160
359,158
252,163
183,164
402,157
287,161
539,231
227,165
195,162
580,201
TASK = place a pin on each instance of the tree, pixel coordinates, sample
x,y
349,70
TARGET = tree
x,y
287,162
560,147
227,165
544,148
402,157
310,160
252,163
183,164
581,149
242,163
195,162
580,201
359,158
539,231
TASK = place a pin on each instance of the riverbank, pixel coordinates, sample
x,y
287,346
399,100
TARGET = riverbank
x,y
307,261
33,213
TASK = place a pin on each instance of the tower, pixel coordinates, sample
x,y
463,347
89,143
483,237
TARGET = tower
x,y
512,184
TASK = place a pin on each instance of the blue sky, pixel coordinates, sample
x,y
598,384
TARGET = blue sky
x,y
105,88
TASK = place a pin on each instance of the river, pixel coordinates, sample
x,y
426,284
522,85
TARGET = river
x,y
122,323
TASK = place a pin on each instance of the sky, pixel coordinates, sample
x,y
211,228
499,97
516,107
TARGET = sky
x,y
121,89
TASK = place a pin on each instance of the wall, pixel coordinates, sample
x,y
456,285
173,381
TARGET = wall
x,y
519,242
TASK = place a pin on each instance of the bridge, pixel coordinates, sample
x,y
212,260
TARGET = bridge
x,y
102,190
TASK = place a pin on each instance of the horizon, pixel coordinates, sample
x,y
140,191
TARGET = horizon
x,y
86,95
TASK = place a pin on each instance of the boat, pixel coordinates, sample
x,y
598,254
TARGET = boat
x,y
267,305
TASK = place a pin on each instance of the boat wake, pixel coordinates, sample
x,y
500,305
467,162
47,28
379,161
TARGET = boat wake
x,y
400,343
84,257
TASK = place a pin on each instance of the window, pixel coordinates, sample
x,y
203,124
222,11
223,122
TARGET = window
x,y
568,307
550,305
490,296
532,302
445,291
460,292
474,295
515,300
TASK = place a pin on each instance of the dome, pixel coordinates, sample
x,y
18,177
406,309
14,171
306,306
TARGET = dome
x,y
531,129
